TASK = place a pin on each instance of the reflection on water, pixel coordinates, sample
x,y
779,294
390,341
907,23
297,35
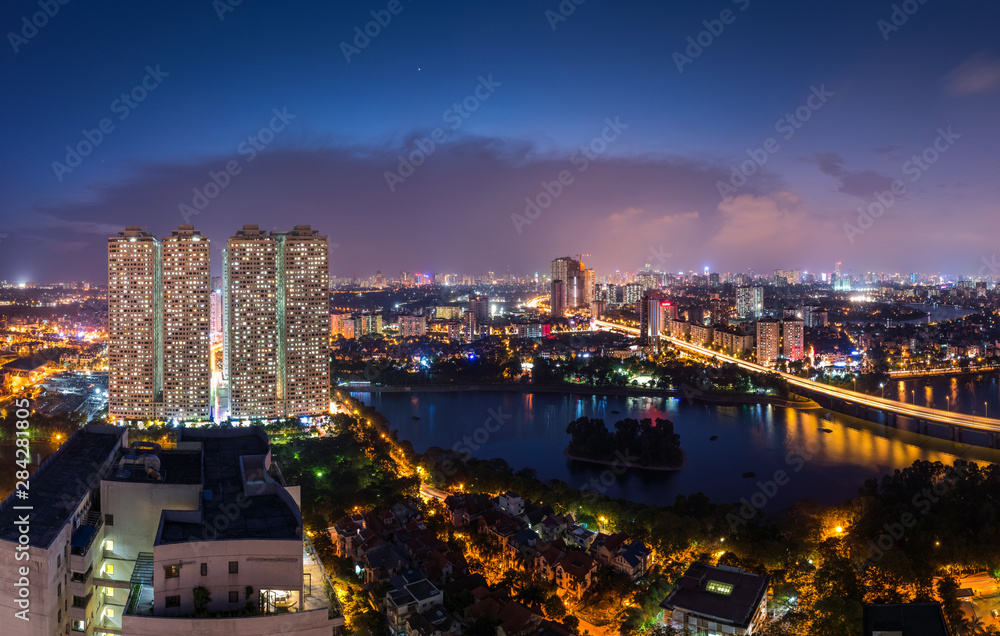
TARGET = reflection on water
x,y
762,439
970,394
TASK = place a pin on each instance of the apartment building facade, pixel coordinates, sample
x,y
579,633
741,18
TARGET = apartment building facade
x,y
134,539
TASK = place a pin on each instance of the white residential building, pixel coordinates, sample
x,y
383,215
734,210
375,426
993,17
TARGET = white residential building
x,y
129,538
135,336
277,321
186,324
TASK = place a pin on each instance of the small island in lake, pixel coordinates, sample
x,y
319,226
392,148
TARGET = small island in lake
x,y
635,443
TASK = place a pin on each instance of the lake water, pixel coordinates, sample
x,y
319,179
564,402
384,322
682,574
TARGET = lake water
x,y
762,439
937,313
971,394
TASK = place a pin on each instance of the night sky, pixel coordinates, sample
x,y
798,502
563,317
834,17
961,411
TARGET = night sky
x,y
864,97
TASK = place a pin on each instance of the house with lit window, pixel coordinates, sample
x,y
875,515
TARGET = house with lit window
x,y
717,600
633,560
575,573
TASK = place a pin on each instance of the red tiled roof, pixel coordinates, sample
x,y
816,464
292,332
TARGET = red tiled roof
x,y
577,564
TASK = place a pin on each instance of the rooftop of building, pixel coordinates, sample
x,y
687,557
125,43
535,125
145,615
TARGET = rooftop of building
x,y
28,364
58,485
724,593
913,619
264,516
417,591
175,467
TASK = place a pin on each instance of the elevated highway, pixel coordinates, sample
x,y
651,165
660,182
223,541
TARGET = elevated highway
x,y
851,402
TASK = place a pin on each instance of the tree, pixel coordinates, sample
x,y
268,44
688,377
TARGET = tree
x,y
570,622
202,597
970,626
554,608
530,595
947,589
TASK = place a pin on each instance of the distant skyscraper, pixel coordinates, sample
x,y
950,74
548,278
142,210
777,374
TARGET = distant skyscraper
x,y
480,305
565,270
215,310
787,276
572,285
589,286
368,325
719,310
470,327
135,333
768,338
814,316
597,308
632,293
792,338
557,298
186,371
277,315
750,302
412,326
654,311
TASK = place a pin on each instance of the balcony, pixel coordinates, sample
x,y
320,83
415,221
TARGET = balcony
x,y
82,601
83,540
80,582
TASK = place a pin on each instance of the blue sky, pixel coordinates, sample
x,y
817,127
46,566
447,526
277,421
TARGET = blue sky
x,y
653,189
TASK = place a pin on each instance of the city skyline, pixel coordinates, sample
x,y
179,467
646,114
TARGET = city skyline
x,y
988,269
500,318
760,159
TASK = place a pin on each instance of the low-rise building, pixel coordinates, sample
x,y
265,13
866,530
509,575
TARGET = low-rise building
x,y
413,595
575,572
24,372
633,559
511,503
717,600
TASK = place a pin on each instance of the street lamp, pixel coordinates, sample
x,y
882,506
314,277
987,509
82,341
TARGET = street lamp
x,y
947,400
987,407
